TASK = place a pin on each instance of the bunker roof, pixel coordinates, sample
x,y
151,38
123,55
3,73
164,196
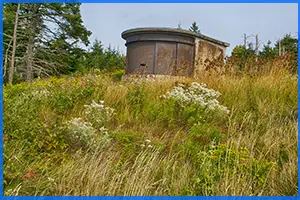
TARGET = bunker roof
x,y
176,31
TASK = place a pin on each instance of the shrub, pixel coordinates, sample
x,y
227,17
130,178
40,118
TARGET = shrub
x,y
117,75
98,115
199,95
194,104
86,132
80,133
205,133
223,163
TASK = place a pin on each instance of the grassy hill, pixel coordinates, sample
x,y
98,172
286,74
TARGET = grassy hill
x,y
98,135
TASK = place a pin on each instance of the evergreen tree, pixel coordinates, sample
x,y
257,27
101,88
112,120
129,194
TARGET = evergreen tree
x,y
288,44
194,27
49,35
96,57
243,53
104,59
268,51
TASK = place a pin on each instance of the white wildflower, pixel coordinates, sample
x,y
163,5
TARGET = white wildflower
x,y
197,94
50,179
81,130
104,130
162,97
40,93
98,114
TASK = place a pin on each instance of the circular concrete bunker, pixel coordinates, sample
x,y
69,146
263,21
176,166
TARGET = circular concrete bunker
x,y
164,51
170,51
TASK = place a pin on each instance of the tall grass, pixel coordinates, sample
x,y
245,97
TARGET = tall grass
x,y
150,149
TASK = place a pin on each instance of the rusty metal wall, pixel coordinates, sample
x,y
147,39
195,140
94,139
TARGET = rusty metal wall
x,y
185,59
140,58
165,58
207,54
168,58
160,53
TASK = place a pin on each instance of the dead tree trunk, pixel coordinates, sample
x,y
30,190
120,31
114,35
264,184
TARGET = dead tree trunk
x,y
245,41
279,48
6,57
29,57
13,52
30,45
256,47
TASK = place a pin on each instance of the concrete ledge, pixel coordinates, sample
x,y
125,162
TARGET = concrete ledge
x,y
151,77
183,32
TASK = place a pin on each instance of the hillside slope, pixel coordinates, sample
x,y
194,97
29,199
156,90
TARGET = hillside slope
x,y
97,135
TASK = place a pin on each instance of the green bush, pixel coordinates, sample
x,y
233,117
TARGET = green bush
x,y
227,162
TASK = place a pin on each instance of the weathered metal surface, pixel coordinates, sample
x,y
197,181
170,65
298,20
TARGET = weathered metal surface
x,y
207,54
169,51
140,58
159,37
165,58
185,60
170,31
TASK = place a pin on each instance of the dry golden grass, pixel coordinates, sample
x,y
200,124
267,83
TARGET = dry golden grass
x,y
263,119
262,131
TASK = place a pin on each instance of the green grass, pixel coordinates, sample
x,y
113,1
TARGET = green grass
x,y
251,151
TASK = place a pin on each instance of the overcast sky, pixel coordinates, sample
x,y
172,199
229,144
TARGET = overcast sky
x,y
225,22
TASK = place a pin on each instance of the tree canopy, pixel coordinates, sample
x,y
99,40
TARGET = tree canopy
x,y
51,39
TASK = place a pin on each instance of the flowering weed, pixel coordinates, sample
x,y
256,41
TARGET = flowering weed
x,y
98,114
199,95
80,132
